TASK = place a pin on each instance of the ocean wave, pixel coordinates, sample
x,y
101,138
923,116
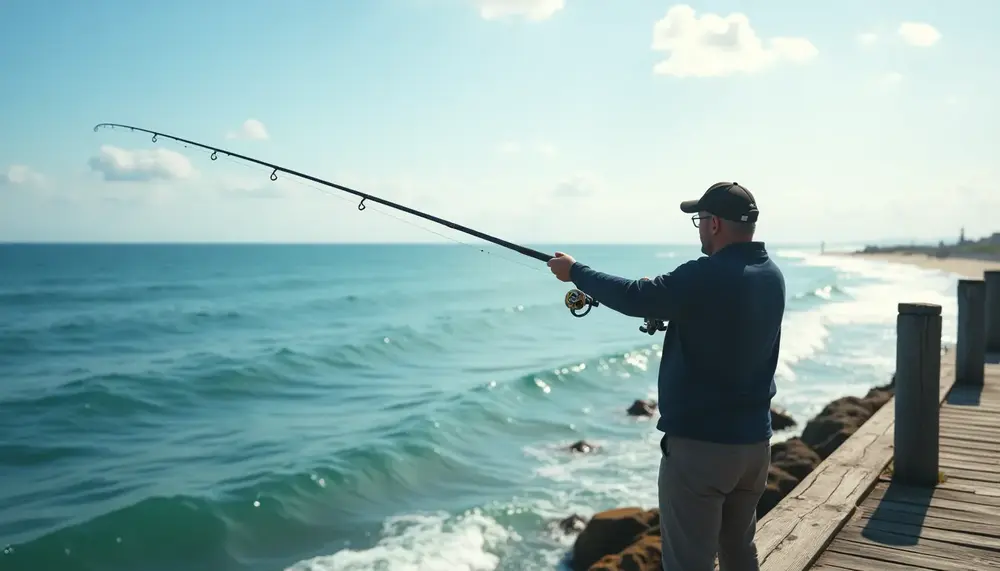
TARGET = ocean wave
x,y
79,295
826,292
415,542
262,516
94,396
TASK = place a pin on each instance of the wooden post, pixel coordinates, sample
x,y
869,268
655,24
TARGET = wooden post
x,y
918,381
970,352
992,279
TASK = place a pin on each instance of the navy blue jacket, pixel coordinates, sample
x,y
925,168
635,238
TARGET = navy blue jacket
x,y
721,346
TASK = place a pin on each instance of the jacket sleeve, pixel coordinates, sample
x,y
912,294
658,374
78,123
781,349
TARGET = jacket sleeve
x,y
664,297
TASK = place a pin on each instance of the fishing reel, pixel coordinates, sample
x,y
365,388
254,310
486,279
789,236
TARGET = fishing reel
x,y
580,304
652,326
576,301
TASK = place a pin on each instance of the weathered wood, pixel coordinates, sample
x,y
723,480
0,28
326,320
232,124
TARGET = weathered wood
x,y
877,555
886,512
867,526
796,531
847,515
954,525
970,349
974,559
918,382
992,309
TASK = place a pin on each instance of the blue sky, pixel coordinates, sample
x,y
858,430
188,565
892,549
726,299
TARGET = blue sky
x,y
537,120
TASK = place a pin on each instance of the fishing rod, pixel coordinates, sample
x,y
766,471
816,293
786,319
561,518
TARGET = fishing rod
x,y
578,302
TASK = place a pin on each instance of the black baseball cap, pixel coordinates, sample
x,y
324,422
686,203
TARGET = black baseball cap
x,y
728,200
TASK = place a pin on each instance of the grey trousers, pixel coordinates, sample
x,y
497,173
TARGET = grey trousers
x,y
708,503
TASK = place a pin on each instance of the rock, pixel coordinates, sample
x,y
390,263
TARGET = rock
x,y
842,418
642,408
582,446
794,457
779,483
610,533
643,555
780,420
572,524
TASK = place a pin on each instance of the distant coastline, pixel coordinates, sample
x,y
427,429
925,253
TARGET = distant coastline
x,y
968,258
987,248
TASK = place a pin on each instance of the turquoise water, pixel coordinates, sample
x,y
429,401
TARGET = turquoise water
x,y
169,408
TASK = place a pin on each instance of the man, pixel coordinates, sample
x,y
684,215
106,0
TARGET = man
x,y
716,378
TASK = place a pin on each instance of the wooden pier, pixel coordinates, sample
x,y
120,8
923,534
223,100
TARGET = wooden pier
x,y
917,487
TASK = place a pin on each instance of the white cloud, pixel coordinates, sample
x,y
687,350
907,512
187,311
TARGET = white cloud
x,y
580,185
919,34
715,46
867,38
251,129
20,175
116,164
534,10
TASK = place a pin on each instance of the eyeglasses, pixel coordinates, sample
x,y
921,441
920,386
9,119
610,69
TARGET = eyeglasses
x,y
696,218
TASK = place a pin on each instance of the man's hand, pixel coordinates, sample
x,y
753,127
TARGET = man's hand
x,y
560,266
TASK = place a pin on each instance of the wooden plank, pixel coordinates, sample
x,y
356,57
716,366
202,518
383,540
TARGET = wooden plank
x,y
912,515
867,526
940,493
984,457
975,557
986,478
795,532
975,415
922,557
962,462
968,424
981,490
992,448
964,440
940,512
886,560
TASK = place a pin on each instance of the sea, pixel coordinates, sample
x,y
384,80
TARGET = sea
x,y
247,407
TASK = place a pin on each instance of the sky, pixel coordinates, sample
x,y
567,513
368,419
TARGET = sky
x,y
539,121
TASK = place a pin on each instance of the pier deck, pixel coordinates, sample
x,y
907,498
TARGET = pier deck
x,y
917,486
953,526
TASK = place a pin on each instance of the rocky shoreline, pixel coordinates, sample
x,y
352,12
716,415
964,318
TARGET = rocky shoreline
x,y
629,537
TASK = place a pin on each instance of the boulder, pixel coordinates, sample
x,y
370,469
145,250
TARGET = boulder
x,y
642,408
842,418
610,533
780,420
582,446
572,524
779,483
794,457
643,555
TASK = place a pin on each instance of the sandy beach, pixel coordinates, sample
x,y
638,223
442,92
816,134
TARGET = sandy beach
x,y
966,267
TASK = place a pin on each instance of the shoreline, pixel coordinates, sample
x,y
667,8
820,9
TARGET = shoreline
x,y
971,268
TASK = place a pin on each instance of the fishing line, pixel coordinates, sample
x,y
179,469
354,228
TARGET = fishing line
x,y
307,184
578,302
